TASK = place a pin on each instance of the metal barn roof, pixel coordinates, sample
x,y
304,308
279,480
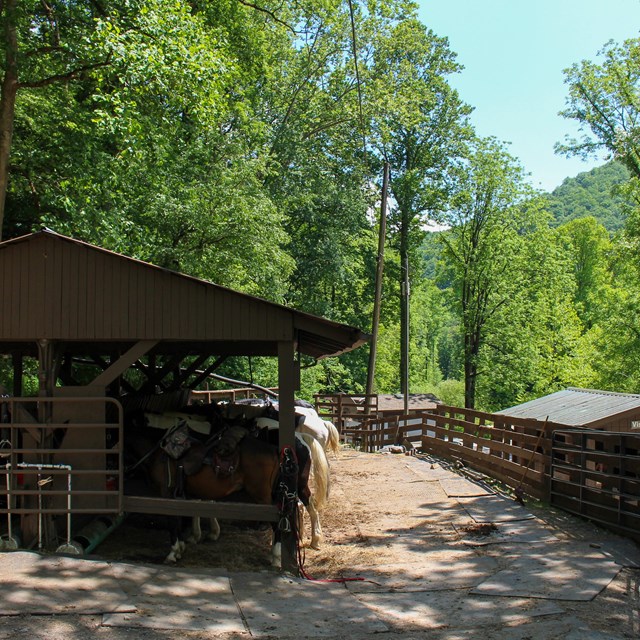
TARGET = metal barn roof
x,y
56,288
576,407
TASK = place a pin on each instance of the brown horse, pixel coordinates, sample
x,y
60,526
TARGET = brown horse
x,y
252,468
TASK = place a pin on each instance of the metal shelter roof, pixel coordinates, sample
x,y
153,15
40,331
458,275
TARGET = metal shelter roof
x,y
577,407
60,289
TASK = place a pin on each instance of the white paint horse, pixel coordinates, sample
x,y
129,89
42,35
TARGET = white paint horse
x,y
307,421
319,474
323,431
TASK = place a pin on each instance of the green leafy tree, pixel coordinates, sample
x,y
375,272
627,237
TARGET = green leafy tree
x,y
487,232
419,125
588,245
595,193
617,343
109,58
603,99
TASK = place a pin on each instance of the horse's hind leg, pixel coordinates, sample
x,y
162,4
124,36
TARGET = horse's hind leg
x,y
197,533
316,527
177,544
276,547
214,532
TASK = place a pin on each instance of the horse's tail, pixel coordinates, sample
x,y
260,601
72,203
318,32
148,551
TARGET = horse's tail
x,y
333,441
319,469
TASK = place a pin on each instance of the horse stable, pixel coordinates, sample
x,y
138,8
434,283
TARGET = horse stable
x,y
83,316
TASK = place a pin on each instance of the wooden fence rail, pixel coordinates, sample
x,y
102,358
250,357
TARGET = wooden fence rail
x,y
595,474
516,453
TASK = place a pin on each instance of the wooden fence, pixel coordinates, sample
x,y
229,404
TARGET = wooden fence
x,y
346,410
208,396
513,451
595,474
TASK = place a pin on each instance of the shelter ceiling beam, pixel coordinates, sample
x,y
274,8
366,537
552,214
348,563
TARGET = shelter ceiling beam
x,y
185,373
210,369
156,375
124,362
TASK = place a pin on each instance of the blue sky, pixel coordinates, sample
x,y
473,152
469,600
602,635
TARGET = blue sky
x,y
514,52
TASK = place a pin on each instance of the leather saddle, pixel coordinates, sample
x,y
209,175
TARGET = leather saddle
x,y
220,452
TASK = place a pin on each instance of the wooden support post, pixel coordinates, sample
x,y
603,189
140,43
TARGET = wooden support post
x,y
287,384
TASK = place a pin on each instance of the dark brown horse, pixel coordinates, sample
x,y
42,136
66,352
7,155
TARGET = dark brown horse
x,y
202,473
248,467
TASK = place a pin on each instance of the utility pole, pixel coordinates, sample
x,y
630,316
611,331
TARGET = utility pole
x,y
378,294
406,294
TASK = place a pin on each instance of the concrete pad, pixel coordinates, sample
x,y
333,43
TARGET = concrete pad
x,y
540,627
169,598
626,553
461,487
555,571
494,508
520,531
454,610
438,572
285,607
35,584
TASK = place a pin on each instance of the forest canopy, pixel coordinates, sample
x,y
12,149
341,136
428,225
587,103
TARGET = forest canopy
x,y
244,143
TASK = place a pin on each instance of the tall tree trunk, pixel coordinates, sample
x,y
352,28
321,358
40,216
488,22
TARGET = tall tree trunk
x,y
7,101
470,373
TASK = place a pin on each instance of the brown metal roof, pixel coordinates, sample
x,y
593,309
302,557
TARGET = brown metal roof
x,y
577,407
57,288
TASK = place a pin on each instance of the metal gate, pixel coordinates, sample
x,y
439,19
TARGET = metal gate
x,y
596,474
60,461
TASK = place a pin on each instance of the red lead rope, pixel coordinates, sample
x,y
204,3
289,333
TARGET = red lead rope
x,y
301,559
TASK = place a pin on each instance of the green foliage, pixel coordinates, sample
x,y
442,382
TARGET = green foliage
x,y
450,392
587,245
603,100
595,193
486,237
239,143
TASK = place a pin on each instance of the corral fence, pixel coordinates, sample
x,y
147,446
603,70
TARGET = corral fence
x,y
59,457
346,411
208,396
595,474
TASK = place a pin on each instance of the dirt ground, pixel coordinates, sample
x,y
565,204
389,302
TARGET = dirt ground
x,y
360,524
365,525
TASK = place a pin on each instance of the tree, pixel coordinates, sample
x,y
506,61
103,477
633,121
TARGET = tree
x,y
537,343
108,57
587,244
593,193
487,232
419,125
605,100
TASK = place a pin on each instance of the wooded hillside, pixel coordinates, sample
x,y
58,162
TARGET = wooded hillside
x,y
244,143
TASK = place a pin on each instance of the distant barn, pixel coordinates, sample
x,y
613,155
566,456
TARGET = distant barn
x,y
584,409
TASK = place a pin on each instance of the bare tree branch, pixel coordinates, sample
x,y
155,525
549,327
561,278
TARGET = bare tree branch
x,y
61,77
270,14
